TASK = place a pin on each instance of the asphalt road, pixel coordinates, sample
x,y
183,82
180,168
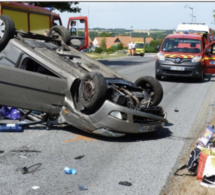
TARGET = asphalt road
x,y
145,161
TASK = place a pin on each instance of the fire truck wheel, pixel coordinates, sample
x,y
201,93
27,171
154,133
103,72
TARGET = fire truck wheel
x,y
7,30
60,32
152,87
92,92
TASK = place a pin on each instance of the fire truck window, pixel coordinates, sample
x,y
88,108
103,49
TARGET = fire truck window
x,y
56,22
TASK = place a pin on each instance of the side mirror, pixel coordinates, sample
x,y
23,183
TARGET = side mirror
x,y
157,48
73,23
73,31
207,51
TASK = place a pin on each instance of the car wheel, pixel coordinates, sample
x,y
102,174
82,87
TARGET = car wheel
x,y
158,76
60,32
92,92
152,86
7,30
201,78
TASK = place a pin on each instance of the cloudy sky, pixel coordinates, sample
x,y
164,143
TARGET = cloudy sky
x,y
144,15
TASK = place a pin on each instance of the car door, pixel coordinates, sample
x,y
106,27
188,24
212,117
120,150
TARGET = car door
x,y
208,58
21,88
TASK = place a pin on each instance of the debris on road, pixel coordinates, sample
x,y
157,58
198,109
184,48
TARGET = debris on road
x,y
30,169
79,157
37,151
10,113
35,187
125,183
11,128
68,170
202,159
176,110
82,188
206,136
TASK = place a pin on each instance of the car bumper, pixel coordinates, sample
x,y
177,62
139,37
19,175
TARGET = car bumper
x,y
130,124
189,70
140,53
101,122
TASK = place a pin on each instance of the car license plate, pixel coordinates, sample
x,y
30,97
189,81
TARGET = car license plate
x,y
177,68
146,128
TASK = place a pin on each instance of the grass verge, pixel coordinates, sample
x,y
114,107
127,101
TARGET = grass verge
x,y
104,55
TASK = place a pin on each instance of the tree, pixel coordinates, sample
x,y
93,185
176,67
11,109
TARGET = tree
x,y
155,43
103,44
106,34
93,34
214,14
61,6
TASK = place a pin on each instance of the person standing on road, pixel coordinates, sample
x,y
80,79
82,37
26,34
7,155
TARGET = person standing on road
x,y
133,49
130,48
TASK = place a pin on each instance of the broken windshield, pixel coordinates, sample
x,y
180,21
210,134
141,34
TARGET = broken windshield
x,y
182,45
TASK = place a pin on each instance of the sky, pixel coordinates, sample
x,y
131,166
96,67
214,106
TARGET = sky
x,y
144,15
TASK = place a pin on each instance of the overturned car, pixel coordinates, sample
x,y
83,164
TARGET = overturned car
x,y
44,74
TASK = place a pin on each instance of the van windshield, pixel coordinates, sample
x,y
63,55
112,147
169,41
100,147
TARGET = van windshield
x,y
182,45
139,45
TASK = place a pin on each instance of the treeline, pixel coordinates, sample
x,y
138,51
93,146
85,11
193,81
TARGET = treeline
x,y
155,34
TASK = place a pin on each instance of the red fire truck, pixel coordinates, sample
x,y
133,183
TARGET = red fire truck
x,y
38,20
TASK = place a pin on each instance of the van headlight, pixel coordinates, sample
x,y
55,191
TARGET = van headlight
x,y
196,59
161,57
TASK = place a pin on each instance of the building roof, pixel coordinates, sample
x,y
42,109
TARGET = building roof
x,y
110,41
89,39
149,39
126,39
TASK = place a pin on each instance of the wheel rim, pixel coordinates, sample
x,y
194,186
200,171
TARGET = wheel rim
x,y
89,90
2,29
55,35
149,90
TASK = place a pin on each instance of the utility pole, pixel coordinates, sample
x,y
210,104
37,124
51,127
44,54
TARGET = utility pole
x,y
195,18
186,6
131,32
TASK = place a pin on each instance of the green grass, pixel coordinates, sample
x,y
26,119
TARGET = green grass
x,y
104,55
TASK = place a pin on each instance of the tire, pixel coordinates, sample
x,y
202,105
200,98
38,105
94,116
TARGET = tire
x,y
153,87
60,32
7,30
201,78
93,89
158,76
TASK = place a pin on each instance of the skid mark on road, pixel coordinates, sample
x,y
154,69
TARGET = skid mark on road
x,y
79,137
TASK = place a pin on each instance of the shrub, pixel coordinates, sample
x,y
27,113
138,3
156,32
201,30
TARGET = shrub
x,y
150,49
112,49
119,46
98,50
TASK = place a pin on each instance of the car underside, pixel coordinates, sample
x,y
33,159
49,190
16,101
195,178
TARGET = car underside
x,y
72,88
